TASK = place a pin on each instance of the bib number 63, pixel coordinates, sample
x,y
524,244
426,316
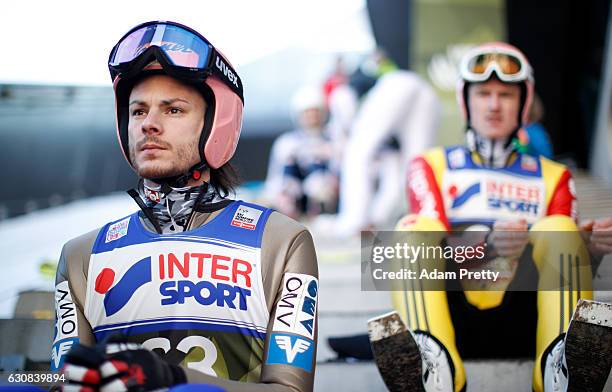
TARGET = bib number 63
x,y
210,351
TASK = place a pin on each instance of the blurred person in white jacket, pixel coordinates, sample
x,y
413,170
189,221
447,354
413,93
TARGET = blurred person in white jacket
x,y
397,119
301,176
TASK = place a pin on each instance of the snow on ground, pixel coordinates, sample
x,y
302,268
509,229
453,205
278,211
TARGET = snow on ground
x,y
29,240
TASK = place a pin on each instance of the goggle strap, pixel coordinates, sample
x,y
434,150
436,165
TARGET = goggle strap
x,y
137,65
221,69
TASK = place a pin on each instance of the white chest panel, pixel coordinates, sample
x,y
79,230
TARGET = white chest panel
x,y
198,282
481,195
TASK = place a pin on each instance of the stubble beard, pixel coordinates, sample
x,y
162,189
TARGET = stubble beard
x,y
184,156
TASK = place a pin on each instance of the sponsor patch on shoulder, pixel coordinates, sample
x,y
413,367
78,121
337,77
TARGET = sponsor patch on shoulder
x,y
296,310
246,217
456,158
290,350
529,163
66,325
117,230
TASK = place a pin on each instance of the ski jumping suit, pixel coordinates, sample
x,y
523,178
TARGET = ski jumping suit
x,y
448,189
232,299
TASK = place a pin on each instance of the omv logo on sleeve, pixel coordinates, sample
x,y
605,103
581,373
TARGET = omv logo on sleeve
x,y
66,325
296,311
290,350
459,200
117,296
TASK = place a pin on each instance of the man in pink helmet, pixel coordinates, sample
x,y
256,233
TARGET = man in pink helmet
x,y
194,287
522,210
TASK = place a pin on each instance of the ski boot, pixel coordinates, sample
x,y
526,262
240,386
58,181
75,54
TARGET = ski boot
x,y
409,361
581,359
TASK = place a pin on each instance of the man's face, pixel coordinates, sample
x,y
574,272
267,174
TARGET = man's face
x,y
494,108
166,118
312,118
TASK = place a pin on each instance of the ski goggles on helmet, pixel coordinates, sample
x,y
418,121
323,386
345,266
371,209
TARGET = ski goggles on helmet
x,y
181,51
509,65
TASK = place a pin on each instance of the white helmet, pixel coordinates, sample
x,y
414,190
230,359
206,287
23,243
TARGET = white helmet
x,y
307,97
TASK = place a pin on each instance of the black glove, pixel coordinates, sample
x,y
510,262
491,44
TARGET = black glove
x,y
115,365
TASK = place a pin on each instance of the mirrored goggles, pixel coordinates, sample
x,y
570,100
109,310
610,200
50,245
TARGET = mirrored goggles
x,y
181,50
508,66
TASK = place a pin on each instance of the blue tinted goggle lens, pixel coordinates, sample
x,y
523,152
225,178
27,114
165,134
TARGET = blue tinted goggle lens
x,y
182,47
